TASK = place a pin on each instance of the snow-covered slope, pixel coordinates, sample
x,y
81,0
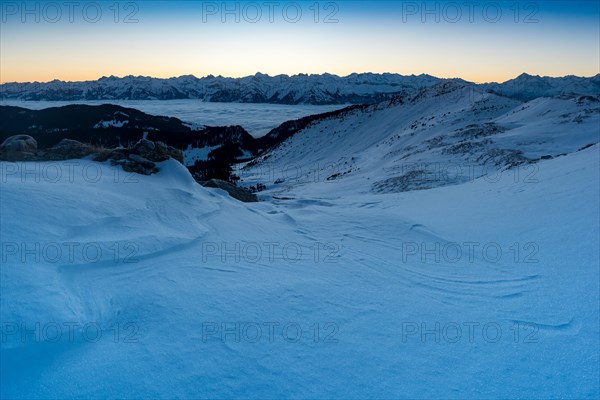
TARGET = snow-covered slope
x,y
343,283
447,134
529,87
126,286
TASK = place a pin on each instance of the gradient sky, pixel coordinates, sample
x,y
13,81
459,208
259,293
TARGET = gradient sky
x,y
482,42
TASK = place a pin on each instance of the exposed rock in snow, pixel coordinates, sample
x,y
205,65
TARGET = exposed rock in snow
x,y
19,143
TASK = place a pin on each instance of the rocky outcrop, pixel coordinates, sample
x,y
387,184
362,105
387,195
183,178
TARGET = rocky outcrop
x,y
141,158
15,145
236,192
157,151
67,149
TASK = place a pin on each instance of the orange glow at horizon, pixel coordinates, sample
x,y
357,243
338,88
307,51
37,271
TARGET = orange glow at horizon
x,y
164,47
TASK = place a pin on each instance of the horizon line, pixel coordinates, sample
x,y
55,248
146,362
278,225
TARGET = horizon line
x,y
292,76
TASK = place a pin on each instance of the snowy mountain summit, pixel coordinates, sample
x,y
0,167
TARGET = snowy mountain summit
x,y
281,89
528,87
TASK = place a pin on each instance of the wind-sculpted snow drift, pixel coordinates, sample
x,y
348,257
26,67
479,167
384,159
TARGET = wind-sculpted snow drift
x,y
342,283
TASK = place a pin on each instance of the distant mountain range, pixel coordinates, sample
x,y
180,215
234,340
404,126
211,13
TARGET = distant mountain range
x,y
322,89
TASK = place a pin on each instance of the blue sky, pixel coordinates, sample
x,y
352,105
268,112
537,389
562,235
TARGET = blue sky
x,y
478,40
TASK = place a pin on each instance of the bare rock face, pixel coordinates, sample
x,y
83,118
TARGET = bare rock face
x,y
144,146
156,152
141,158
130,165
238,193
19,143
172,152
67,149
138,165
